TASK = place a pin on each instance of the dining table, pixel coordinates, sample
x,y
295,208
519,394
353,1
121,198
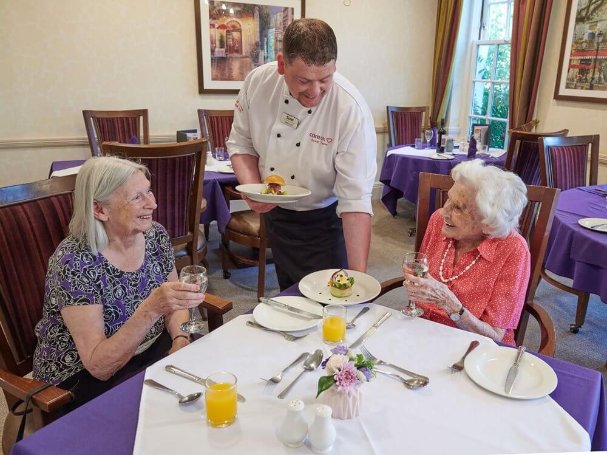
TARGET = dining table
x,y
402,165
577,252
452,414
218,208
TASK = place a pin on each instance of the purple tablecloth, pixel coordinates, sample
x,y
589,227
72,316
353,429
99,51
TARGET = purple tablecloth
x,y
217,208
400,175
576,252
108,424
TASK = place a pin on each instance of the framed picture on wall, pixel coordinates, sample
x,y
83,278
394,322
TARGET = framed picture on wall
x,y
582,70
233,37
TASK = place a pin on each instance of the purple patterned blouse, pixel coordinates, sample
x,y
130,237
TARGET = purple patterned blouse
x,y
76,277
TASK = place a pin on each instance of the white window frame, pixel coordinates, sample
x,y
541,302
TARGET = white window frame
x,y
476,118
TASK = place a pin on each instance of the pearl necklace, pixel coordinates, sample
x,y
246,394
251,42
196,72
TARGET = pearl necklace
x,y
442,263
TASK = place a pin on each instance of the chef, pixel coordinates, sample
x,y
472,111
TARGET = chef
x,y
298,118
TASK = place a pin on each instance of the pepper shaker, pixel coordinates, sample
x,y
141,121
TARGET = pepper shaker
x,y
322,434
294,427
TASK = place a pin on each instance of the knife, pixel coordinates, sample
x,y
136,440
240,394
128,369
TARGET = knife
x,y
370,331
192,377
513,371
291,309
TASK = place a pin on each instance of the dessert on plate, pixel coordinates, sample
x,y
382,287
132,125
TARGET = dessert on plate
x,y
274,184
340,284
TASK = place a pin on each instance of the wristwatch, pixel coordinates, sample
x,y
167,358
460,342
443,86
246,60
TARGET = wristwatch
x,y
458,314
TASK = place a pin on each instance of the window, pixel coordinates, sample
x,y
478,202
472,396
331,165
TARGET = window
x,y
491,71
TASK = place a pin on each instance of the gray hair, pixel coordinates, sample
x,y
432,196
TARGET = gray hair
x,y
312,40
500,196
98,178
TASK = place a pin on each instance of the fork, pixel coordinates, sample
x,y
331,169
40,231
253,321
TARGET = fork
x,y
459,365
288,336
371,357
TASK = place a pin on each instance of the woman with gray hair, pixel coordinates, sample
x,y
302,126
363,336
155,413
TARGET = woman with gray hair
x,y
479,264
113,303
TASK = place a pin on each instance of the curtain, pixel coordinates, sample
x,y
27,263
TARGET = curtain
x,y
529,29
447,25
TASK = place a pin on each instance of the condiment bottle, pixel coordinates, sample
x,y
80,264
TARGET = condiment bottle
x,y
294,428
322,434
472,147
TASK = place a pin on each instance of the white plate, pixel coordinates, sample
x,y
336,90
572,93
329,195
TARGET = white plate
x,y
222,168
441,156
279,320
594,224
253,191
488,367
315,286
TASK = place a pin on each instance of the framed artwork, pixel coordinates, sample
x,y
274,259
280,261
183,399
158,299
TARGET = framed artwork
x,y
481,130
582,70
233,37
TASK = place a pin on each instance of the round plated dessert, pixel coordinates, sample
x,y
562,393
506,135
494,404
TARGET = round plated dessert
x,y
340,284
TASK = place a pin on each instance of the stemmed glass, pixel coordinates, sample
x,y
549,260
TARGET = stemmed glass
x,y
428,134
415,264
194,274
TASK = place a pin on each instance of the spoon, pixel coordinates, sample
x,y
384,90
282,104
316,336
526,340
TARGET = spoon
x,y
309,364
351,325
414,383
277,378
183,399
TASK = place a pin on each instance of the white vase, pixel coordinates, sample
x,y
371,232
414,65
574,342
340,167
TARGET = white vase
x,y
322,434
344,405
294,428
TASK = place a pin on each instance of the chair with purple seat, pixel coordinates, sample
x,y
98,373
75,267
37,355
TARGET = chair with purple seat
x,y
405,124
34,219
569,162
177,171
522,156
215,126
127,126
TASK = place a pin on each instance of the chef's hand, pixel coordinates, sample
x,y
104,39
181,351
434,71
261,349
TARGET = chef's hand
x,y
259,207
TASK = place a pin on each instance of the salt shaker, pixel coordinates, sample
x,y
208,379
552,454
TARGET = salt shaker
x,y
294,427
322,434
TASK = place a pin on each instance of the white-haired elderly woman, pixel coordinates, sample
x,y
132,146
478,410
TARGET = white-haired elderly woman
x,y
478,262
113,303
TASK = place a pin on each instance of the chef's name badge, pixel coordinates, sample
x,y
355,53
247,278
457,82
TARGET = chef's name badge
x,y
289,120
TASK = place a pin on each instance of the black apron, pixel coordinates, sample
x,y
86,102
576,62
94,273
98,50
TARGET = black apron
x,y
305,242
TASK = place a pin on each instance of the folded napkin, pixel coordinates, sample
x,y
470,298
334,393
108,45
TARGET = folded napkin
x,y
68,171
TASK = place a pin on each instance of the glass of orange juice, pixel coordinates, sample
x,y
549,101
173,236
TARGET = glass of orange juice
x,y
334,324
220,399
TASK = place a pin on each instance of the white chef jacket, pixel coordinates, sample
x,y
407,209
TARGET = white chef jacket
x,y
331,151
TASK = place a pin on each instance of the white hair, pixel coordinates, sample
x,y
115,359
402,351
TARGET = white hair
x,y
500,196
97,179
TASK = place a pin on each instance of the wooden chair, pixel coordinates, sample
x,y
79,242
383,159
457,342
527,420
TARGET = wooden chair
x,y
130,126
215,126
177,171
535,225
245,228
405,124
34,219
564,165
522,156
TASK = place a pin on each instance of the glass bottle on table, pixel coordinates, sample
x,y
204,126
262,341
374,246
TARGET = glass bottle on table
x,y
442,132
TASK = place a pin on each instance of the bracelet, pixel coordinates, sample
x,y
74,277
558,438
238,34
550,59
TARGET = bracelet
x,y
187,337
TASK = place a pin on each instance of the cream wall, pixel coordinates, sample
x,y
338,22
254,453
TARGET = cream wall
x,y
62,56
579,118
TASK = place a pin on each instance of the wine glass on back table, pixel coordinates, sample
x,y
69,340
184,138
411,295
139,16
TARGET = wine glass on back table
x,y
415,264
194,274
428,134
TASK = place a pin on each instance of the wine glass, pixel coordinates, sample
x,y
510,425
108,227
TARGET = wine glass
x,y
415,264
194,274
428,134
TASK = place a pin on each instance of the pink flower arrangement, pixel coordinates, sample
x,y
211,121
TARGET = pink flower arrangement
x,y
346,371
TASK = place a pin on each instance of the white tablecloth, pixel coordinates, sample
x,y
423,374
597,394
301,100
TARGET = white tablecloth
x,y
450,415
427,153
